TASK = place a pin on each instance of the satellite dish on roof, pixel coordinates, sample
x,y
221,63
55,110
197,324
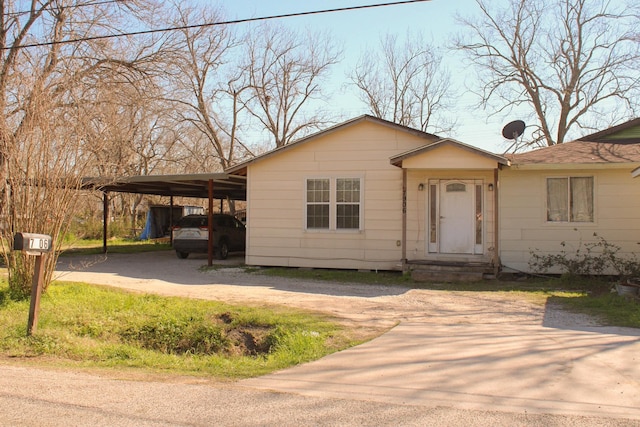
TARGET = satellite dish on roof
x,y
514,129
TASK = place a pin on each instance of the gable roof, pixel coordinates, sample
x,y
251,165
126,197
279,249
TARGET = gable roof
x,y
624,133
397,160
241,168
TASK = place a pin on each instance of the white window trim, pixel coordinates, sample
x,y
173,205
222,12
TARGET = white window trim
x,y
333,205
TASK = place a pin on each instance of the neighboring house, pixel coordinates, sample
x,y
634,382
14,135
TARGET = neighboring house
x,y
371,194
568,192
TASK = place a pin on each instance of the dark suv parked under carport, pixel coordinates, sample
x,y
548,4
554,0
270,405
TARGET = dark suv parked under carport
x,y
191,235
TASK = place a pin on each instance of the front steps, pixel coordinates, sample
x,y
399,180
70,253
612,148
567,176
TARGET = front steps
x,y
450,271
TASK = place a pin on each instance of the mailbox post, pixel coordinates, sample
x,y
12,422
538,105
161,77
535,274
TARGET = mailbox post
x,y
36,245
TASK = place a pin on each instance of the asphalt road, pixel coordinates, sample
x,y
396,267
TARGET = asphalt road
x,y
454,359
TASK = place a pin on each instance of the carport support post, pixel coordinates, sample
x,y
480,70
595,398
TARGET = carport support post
x,y
210,227
105,220
171,221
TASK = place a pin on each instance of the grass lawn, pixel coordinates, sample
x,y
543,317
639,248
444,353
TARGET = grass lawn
x,y
85,325
115,246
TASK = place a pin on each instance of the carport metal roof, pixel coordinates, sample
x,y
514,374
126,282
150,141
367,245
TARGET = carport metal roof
x,y
203,185
225,185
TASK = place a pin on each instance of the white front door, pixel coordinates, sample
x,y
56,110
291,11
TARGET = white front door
x,y
457,217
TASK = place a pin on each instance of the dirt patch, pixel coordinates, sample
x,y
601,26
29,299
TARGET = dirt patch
x,y
250,341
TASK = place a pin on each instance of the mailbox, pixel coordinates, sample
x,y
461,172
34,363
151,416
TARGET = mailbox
x,y
32,243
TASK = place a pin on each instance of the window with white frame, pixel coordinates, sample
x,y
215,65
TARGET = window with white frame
x,y
318,203
333,203
348,203
570,199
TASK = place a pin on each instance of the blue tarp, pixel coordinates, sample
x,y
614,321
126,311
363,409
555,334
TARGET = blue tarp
x,y
147,232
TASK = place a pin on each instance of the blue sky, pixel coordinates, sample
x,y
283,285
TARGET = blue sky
x,y
361,29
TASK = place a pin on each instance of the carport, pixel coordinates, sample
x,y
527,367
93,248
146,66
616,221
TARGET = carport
x,y
211,186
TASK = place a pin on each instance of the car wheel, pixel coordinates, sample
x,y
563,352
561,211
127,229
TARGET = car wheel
x,y
223,250
182,255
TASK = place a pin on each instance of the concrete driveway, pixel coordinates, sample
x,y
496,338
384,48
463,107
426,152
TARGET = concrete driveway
x,y
456,358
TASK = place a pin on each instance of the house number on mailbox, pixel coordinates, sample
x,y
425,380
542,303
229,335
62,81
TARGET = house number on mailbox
x,y
31,242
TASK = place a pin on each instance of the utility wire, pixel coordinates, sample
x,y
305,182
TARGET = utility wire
x,y
211,24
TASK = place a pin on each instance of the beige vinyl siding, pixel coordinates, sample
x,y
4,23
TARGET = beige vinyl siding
x,y
449,157
276,210
523,225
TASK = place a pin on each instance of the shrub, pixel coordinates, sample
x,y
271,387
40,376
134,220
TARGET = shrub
x,y
588,259
92,228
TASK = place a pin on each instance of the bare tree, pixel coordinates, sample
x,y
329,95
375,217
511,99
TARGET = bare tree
x,y
569,63
41,157
286,71
127,131
203,94
406,84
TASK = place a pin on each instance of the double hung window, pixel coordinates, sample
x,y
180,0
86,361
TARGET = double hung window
x,y
333,203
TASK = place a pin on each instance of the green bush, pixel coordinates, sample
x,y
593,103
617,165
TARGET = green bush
x,y
92,228
588,259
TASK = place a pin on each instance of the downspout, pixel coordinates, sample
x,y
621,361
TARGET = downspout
x,y
404,219
496,224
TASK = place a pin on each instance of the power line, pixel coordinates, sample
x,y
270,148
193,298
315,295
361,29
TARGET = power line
x,y
211,24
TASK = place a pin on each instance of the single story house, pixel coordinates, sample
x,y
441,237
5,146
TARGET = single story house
x,y
371,194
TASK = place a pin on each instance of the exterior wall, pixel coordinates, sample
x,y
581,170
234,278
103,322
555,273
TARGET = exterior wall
x,y
418,211
449,157
523,225
631,133
276,210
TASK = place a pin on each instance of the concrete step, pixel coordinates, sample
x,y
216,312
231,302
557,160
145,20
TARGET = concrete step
x,y
446,275
453,267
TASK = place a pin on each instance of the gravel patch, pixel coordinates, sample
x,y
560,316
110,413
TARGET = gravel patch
x,y
365,305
